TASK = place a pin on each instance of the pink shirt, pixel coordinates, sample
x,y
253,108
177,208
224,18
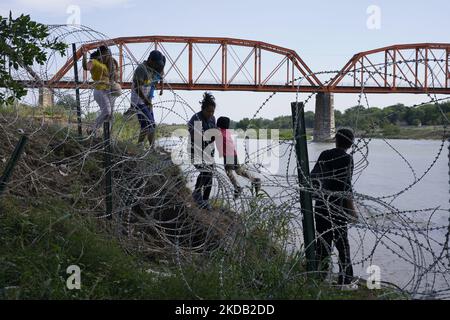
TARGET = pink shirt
x,y
226,145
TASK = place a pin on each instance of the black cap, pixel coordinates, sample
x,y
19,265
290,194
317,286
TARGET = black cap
x,y
157,56
223,123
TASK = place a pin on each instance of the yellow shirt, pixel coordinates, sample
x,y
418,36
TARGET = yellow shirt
x,y
100,75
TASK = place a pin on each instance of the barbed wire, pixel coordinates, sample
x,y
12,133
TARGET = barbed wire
x,y
153,211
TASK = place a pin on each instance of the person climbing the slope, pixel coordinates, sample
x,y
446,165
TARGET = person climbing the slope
x,y
103,68
201,149
145,78
227,150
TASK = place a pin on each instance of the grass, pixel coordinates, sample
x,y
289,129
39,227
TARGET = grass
x,y
411,132
39,243
127,128
124,128
387,132
42,234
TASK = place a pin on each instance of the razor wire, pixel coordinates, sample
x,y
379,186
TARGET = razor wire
x,y
154,212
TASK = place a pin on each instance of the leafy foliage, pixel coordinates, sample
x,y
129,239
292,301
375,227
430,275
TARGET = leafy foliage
x,y
23,43
363,118
67,101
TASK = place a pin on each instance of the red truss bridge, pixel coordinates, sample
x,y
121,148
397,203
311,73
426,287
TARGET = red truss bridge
x,y
226,64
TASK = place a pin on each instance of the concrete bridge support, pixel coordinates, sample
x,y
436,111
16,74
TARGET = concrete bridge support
x,y
46,98
324,126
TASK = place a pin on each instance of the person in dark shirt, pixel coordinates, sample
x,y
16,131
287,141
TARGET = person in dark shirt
x,y
202,160
334,208
145,77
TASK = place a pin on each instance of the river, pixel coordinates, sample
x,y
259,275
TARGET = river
x,y
402,191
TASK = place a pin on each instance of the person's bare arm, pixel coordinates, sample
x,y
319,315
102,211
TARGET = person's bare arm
x,y
350,204
351,209
86,65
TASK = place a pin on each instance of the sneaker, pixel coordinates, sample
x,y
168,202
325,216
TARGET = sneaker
x,y
197,197
349,287
205,205
129,112
353,285
237,192
256,185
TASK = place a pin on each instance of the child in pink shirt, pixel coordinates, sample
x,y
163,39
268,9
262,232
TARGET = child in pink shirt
x,y
227,150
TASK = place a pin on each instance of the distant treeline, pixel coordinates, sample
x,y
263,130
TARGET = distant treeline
x,y
388,119
362,117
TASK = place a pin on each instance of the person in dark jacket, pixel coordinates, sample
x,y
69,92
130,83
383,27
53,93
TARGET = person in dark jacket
x,y
334,208
202,149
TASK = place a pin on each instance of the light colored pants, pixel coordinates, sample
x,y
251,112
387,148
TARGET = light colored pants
x,y
106,103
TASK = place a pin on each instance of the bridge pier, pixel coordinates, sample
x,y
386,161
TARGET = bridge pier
x,y
46,98
324,126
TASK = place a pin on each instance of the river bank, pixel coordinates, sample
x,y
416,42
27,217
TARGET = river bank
x,y
389,132
51,218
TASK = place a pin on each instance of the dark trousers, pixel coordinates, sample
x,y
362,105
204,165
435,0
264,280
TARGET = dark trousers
x,y
330,227
203,185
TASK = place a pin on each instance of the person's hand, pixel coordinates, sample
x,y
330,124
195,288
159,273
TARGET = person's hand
x,y
351,211
84,62
352,215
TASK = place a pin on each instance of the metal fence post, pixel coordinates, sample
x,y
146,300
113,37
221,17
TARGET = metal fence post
x,y
108,173
77,90
299,130
15,156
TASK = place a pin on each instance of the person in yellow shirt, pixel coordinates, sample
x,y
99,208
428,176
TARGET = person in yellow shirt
x,y
103,78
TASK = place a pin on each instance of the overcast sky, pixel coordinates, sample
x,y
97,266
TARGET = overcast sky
x,y
326,34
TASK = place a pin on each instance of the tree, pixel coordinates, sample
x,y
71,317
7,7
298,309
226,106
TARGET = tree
x,y
22,43
395,114
390,129
243,124
309,119
416,122
338,118
67,101
281,122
